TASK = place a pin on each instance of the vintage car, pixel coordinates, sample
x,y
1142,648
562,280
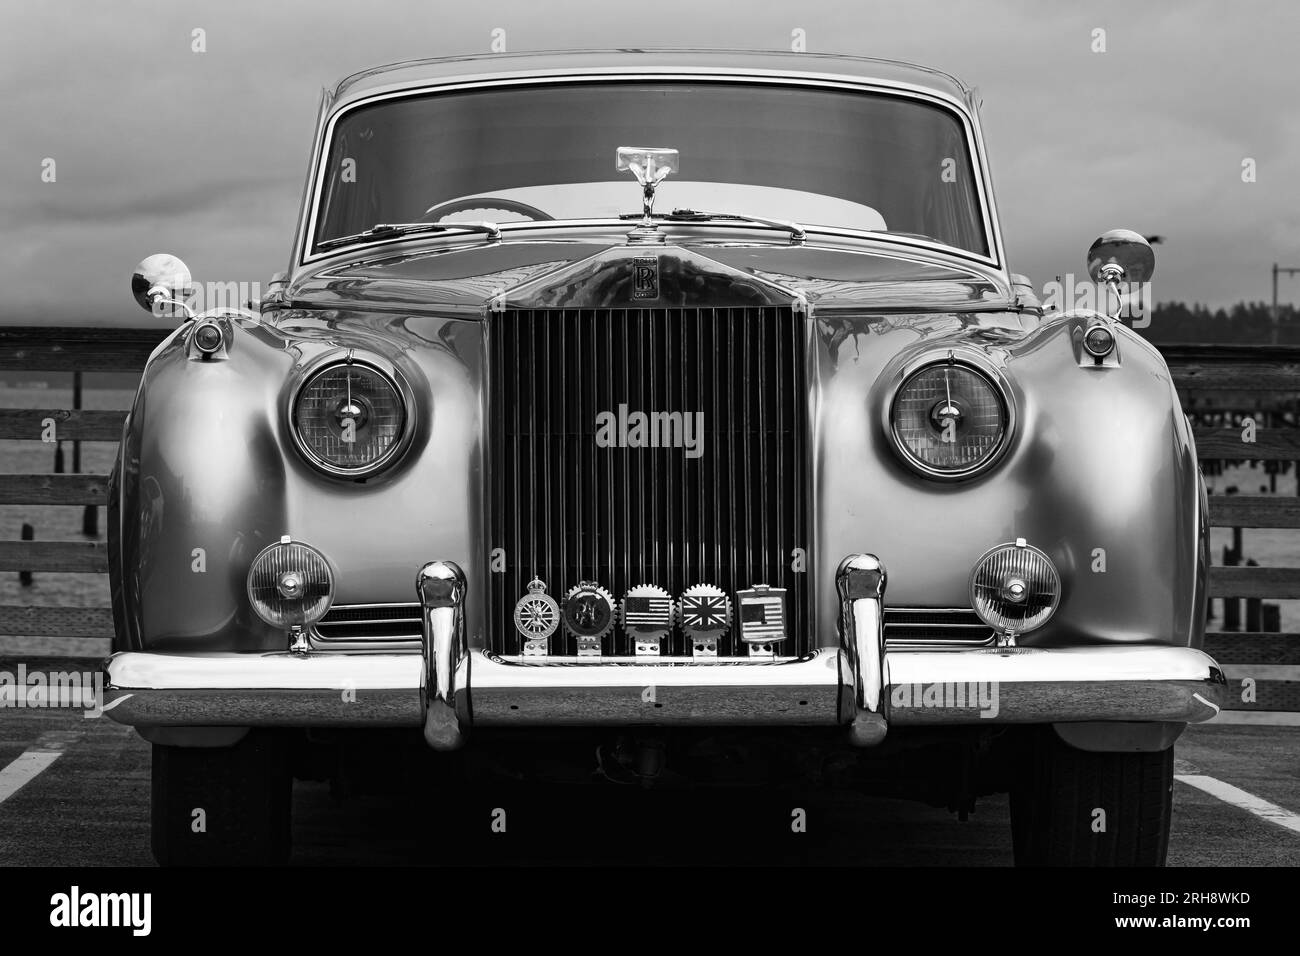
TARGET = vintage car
x,y
600,392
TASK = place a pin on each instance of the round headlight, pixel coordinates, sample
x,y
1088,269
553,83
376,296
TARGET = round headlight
x,y
949,420
349,419
1014,587
290,584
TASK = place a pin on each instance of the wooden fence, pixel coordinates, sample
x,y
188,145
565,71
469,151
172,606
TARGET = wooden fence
x,y
1219,385
1244,402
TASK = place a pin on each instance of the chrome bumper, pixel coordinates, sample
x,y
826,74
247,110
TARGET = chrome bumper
x,y
448,688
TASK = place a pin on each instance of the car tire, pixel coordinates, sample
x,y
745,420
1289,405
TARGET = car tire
x,y
1074,807
222,806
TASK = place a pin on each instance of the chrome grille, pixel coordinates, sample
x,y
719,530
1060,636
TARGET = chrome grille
x,y
934,625
350,622
565,510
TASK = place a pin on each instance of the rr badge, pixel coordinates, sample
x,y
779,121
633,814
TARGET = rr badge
x,y
645,277
537,616
762,618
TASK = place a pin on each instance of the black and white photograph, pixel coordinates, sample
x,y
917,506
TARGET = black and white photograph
x,y
728,436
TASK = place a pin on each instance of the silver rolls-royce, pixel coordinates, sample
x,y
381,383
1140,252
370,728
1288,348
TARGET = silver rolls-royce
x,y
644,398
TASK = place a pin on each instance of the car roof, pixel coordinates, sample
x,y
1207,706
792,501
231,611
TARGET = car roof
x,y
417,73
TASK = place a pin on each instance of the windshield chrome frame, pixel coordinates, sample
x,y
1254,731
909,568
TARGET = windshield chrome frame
x,y
965,112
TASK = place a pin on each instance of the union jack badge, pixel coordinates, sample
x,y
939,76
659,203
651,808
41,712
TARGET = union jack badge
x,y
537,616
704,611
647,615
762,618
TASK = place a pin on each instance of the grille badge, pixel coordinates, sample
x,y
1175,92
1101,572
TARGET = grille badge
x,y
537,616
762,618
705,614
647,617
589,613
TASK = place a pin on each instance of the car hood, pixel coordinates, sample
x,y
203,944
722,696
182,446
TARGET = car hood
x,y
599,274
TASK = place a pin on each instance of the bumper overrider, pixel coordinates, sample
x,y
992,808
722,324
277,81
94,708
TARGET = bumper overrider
x,y
448,688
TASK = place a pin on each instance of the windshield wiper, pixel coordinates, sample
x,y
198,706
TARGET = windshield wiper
x,y
386,230
797,233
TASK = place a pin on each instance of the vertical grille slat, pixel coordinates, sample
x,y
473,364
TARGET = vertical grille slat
x,y
565,509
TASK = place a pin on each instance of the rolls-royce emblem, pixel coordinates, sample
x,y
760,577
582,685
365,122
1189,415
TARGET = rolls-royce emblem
x,y
645,277
537,616
588,615
762,618
647,613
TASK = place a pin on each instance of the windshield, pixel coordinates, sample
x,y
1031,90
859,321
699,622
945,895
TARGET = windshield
x,y
815,155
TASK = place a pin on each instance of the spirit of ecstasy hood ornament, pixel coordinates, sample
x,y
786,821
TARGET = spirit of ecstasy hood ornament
x,y
650,165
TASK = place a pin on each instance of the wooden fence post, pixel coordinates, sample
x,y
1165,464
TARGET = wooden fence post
x,y
28,534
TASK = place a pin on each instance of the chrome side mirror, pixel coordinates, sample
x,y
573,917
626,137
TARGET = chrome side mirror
x,y
1120,255
162,284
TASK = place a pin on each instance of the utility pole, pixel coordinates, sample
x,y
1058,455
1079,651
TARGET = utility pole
x,y
1274,314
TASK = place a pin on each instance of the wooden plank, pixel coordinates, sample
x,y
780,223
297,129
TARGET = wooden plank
x,y
69,424
56,349
1270,444
1253,647
1220,352
53,489
1260,376
46,621
82,556
1255,582
1254,511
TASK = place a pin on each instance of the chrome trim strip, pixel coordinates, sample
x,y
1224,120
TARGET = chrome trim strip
x,y
413,621
445,686
968,118
860,582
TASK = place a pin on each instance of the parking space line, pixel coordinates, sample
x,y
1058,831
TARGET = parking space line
x,y
28,765
1240,798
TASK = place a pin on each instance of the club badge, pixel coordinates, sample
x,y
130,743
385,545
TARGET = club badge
x,y
588,615
705,615
761,618
647,617
537,616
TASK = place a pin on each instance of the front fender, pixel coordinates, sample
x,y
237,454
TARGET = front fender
x,y
1101,473
200,490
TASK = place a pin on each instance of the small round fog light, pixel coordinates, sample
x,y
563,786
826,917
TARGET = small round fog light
x,y
290,584
208,337
1099,341
1014,588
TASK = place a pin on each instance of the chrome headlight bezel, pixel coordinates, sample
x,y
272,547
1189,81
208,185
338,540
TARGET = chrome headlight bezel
x,y
976,364
395,380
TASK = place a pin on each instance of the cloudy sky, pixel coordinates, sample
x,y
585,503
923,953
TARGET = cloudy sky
x,y
158,148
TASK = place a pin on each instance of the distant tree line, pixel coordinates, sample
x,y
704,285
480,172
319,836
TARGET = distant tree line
x,y
1244,323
